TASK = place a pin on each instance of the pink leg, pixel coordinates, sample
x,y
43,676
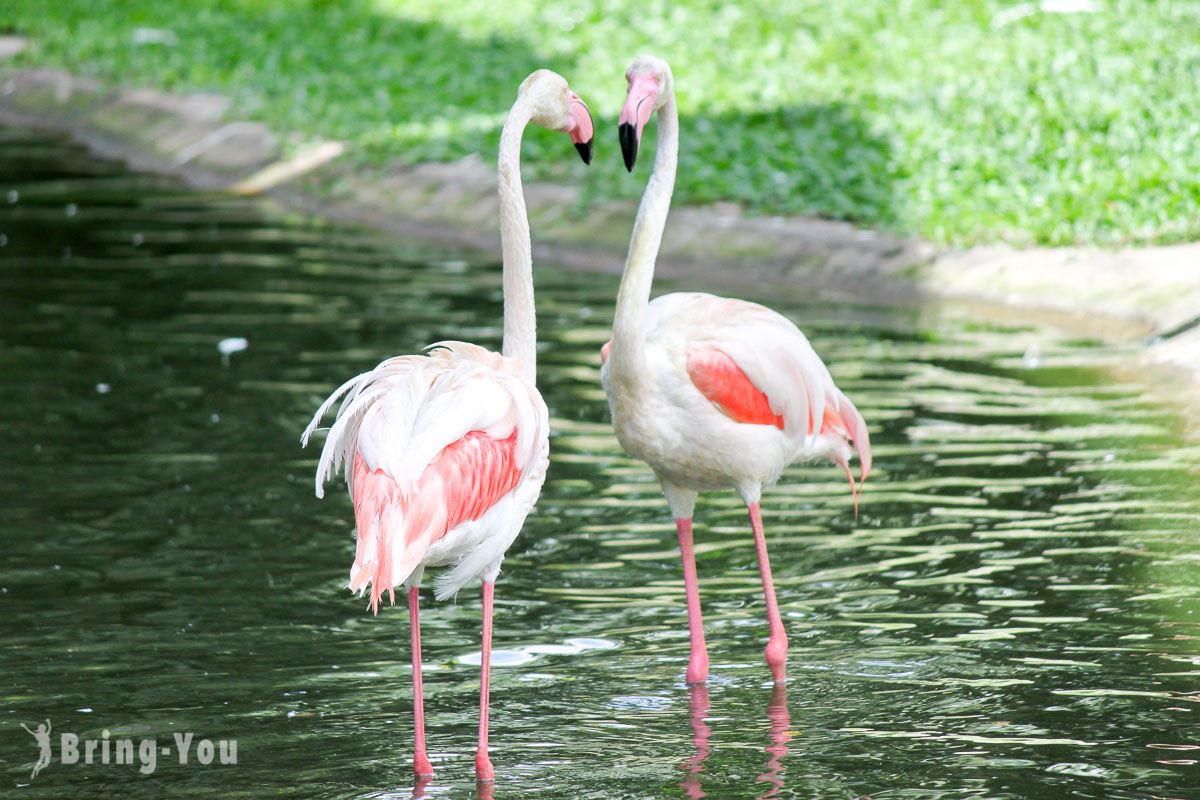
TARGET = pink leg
x,y
697,670
420,760
483,766
777,644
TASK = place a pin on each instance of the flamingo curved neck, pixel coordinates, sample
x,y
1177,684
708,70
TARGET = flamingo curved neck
x,y
629,321
520,317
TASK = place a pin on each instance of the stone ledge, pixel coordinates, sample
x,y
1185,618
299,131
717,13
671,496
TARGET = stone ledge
x,y
452,204
1157,285
152,130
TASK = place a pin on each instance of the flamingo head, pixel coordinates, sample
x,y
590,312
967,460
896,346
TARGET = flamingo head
x,y
556,107
650,86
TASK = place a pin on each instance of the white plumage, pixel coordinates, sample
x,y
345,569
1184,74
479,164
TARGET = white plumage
x,y
399,416
662,417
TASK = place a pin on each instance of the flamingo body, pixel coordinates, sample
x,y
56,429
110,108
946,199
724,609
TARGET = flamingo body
x,y
728,397
445,455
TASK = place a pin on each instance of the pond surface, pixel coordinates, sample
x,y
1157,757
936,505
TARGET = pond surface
x,y
1011,615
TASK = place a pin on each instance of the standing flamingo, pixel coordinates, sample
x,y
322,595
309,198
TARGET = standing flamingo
x,y
445,454
711,392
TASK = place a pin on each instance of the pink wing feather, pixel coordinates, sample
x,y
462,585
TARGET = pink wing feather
x,y
758,368
722,381
462,482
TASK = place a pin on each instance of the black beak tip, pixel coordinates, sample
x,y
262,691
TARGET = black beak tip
x,y
629,144
585,149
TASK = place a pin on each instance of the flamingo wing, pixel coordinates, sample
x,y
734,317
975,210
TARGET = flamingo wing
x,y
722,381
428,443
396,524
758,368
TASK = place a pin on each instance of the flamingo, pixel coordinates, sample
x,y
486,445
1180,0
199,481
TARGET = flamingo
x,y
711,392
445,453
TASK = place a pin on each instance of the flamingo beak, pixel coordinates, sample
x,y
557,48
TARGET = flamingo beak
x,y
579,126
639,105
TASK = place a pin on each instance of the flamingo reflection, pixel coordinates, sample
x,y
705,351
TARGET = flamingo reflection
x,y
780,733
698,704
484,790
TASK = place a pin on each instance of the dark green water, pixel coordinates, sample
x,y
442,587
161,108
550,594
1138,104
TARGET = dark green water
x,y
1010,616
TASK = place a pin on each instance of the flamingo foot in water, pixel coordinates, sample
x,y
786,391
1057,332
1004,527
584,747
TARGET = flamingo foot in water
x,y
484,772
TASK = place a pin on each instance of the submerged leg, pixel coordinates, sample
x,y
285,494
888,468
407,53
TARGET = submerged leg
x,y
483,766
421,763
777,644
697,670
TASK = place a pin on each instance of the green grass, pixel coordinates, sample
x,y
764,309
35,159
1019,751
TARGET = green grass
x,y
916,116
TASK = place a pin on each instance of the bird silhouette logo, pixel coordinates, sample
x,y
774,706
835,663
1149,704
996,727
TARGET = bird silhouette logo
x,y
42,734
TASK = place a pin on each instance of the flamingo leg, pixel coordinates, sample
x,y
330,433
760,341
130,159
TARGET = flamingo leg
x,y
483,765
697,670
421,763
778,642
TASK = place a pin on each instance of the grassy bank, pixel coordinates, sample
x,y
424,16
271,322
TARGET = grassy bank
x,y
959,122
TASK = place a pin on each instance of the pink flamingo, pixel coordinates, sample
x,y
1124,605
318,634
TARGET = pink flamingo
x,y
711,392
445,454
